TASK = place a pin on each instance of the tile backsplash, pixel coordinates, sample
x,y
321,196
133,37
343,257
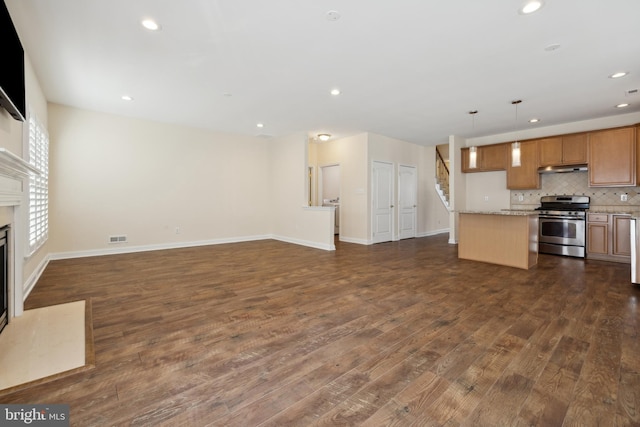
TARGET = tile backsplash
x,y
574,183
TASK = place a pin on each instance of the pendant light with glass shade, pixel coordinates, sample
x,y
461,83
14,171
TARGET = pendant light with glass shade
x,y
473,150
515,146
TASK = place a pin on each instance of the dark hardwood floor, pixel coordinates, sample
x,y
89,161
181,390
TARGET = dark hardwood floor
x,y
272,334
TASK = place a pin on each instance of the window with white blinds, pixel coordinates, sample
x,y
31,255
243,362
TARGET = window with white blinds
x,y
38,184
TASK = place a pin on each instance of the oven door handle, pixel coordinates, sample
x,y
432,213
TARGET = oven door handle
x,y
561,217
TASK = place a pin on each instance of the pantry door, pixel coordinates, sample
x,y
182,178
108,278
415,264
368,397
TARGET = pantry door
x,y
382,202
407,201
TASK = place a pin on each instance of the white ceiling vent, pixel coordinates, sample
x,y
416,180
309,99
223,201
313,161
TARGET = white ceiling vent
x,y
118,239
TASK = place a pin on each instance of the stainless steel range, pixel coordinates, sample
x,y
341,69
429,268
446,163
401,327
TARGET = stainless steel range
x,y
562,229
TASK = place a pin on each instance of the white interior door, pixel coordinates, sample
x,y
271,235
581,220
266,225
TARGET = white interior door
x,y
382,202
407,201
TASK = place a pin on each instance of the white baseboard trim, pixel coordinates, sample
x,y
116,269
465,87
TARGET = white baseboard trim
x,y
146,248
316,245
33,278
354,240
433,232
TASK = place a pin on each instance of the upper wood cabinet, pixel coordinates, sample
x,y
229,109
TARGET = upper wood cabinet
x,y
574,149
612,157
563,150
488,158
526,176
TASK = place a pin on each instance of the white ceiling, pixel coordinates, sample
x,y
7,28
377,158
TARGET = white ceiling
x,y
408,69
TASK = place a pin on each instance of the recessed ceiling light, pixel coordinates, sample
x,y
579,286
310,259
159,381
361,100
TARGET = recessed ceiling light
x,y
324,137
534,120
150,24
335,92
127,98
552,47
622,105
618,75
260,125
531,6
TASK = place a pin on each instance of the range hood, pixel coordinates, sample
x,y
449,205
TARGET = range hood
x,y
563,169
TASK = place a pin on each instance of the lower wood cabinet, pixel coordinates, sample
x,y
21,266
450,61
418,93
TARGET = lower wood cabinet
x,y
608,237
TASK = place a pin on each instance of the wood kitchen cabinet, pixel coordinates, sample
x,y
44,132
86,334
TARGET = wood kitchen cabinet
x,y
621,245
612,157
526,176
597,235
563,150
488,158
608,237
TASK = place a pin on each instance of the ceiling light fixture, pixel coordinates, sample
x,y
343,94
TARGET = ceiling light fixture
x,y
473,156
126,98
623,105
618,74
333,15
534,120
531,6
515,147
335,92
150,24
260,125
473,151
324,137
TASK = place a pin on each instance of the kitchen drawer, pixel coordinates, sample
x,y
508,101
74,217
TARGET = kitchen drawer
x,y
596,217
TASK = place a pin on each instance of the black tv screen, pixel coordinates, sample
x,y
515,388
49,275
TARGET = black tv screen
x,y
12,96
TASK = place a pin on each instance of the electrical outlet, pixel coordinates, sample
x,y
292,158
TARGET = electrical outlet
x,y
521,198
486,198
623,197
177,230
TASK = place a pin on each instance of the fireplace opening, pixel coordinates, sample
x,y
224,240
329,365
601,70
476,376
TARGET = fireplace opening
x,y
4,294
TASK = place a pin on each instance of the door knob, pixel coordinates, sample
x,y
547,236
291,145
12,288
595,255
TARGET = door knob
x,y
391,206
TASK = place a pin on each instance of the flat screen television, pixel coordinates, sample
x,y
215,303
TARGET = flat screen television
x,y
12,94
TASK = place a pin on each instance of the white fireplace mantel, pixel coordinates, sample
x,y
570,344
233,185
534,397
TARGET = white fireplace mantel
x,y
14,172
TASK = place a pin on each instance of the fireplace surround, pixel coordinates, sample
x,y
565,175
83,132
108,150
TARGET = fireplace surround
x,y
14,175
4,288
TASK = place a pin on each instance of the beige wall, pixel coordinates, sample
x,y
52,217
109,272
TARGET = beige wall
x,y
291,219
433,216
12,138
113,175
354,155
351,154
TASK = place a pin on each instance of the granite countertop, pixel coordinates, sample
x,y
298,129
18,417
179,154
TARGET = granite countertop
x,y
511,212
624,210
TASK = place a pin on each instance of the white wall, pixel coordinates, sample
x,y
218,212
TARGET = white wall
x,y
113,175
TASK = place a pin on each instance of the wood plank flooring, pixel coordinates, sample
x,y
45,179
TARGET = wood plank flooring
x,y
396,334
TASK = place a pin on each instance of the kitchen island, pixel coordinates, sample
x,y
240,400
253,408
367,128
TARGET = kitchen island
x,y
508,237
